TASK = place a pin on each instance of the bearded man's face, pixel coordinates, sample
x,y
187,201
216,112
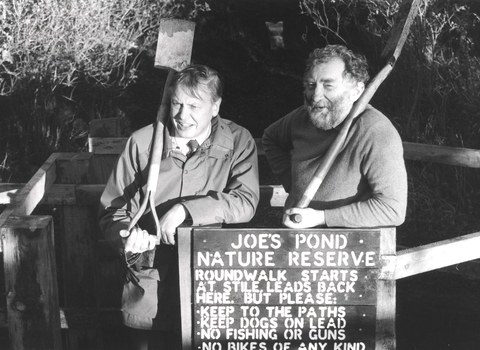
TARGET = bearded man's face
x,y
329,95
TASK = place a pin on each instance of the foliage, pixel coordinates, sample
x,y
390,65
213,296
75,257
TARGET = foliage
x,y
54,54
61,42
440,58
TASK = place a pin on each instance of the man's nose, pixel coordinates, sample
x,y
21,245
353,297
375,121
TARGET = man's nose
x,y
181,113
318,92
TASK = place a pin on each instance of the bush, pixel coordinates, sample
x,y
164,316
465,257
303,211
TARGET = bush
x,y
63,63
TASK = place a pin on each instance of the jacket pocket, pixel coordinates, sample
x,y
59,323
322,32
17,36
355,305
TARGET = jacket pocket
x,y
140,291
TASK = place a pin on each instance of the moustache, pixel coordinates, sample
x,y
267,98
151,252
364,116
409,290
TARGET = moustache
x,y
312,105
318,105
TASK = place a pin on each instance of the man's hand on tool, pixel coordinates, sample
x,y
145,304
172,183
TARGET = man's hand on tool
x,y
138,240
310,217
170,221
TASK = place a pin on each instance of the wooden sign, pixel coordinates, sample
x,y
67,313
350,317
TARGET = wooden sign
x,y
281,289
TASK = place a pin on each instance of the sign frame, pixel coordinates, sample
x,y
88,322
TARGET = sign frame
x,y
385,335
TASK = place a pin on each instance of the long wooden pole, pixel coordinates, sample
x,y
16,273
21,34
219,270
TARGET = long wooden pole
x,y
174,50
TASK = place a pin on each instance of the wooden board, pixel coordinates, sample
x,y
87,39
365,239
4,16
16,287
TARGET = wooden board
x,y
436,255
31,283
456,156
285,289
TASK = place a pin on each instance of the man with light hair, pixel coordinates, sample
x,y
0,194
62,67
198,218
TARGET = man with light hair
x,y
208,175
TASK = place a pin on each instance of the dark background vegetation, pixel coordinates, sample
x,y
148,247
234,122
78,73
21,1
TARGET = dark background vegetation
x,y
65,63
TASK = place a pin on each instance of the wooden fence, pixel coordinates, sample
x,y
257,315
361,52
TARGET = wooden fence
x,y
79,290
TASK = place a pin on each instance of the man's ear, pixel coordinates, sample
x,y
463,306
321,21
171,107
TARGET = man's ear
x,y
216,107
357,91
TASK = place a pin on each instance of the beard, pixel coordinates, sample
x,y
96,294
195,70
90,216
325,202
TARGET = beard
x,y
327,114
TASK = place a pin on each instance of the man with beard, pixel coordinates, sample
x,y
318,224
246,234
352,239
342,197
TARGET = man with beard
x,y
367,183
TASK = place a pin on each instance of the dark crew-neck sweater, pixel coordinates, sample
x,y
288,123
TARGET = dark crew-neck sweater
x,y
367,183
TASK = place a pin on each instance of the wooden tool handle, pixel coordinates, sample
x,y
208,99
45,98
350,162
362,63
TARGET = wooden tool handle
x,y
155,159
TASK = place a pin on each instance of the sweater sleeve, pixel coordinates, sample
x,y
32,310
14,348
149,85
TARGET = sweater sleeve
x,y
383,165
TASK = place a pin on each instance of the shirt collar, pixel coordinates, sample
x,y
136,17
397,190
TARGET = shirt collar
x,y
219,141
181,142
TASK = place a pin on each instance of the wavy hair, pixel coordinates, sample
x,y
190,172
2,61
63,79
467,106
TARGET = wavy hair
x,y
356,66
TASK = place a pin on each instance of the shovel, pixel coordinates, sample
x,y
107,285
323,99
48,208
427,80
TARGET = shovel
x,y
407,12
174,51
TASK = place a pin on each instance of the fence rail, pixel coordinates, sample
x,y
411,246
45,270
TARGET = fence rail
x,y
456,156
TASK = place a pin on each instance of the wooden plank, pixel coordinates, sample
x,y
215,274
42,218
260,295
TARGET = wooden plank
x,y
73,168
437,255
71,194
385,338
58,194
101,167
413,151
385,328
106,145
79,266
31,282
27,198
388,251
272,196
88,194
444,155
78,243
78,238
85,168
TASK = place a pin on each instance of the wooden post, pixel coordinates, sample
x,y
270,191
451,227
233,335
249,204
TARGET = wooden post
x,y
78,246
31,283
386,292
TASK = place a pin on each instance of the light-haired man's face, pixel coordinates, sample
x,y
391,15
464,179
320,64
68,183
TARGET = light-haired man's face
x,y
191,116
328,95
